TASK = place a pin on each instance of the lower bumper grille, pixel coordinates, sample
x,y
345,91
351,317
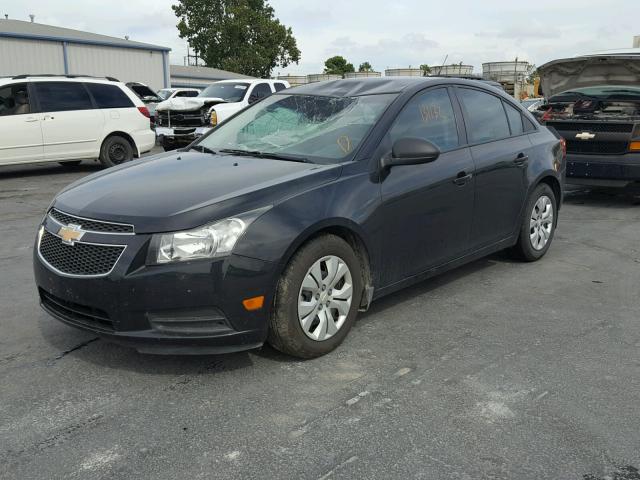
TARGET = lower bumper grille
x,y
83,259
611,148
76,313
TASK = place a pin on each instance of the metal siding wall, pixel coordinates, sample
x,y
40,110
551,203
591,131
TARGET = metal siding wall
x,y
30,56
191,82
127,65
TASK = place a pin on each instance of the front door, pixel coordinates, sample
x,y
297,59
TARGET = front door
x,y
71,126
426,209
20,133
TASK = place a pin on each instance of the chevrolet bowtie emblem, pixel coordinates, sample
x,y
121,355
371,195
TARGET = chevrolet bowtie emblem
x,y
70,234
586,136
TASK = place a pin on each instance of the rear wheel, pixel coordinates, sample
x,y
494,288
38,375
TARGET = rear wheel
x,y
538,224
115,151
317,298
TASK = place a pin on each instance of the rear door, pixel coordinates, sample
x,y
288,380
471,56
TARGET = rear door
x,y
20,133
71,126
426,209
500,150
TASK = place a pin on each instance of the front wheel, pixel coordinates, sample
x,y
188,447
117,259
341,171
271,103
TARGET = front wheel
x,y
538,225
317,298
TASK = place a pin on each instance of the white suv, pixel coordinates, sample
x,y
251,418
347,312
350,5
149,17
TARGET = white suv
x,y
69,118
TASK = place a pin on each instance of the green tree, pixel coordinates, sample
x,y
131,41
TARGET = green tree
x,y
365,67
426,69
241,36
338,65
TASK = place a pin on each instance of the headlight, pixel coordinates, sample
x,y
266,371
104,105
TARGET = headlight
x,y
208,241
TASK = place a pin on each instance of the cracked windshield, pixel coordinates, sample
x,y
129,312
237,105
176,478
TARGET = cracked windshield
x,y
320,129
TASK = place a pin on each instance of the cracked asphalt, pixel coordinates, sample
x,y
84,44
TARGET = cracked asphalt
x,y
497,370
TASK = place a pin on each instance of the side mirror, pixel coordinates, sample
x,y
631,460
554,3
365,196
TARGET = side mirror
x,y
411,151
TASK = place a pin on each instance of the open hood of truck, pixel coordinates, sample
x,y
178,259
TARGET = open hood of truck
x,y
187,104
595,70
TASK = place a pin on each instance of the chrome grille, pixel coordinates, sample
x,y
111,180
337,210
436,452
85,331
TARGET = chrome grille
x,y
82,259
90,225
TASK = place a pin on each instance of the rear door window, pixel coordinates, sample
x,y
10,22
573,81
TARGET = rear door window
x,y
429,116
62,96
14,100
109,96
485,118
515,119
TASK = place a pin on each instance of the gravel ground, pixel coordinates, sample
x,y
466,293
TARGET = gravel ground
x,y
496,370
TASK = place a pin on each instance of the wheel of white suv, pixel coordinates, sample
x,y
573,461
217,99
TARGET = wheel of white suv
x,y
115,150
538,224
317,298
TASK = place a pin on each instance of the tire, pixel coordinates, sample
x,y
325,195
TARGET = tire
x,y
286,332
71,163
538,227
115,150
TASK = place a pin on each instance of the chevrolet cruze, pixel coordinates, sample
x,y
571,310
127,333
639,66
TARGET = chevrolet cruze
x,y
283,222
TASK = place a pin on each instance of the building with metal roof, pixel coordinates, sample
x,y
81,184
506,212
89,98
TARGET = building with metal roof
x,y
34,48
199,77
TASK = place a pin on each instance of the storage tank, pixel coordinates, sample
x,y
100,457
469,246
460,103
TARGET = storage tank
x,y
403,72
505,71
362,74
294,80
322,77
452,70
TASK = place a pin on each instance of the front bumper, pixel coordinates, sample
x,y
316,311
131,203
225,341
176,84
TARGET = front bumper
x,y
179,136
182,308
608,170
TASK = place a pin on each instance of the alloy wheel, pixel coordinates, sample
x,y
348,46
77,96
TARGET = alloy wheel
x,y
541,223
324,300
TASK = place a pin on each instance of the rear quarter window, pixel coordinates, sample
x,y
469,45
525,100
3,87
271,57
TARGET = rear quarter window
x,y
515,119
109,96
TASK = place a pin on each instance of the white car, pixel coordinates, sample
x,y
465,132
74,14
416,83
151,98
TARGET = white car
x,y
179,121
167,93
70,118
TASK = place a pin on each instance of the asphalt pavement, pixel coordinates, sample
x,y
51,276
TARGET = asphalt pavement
x,y
497,370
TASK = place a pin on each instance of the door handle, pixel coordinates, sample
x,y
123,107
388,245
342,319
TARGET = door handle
x,y
521,159
31,119
462,178
48,117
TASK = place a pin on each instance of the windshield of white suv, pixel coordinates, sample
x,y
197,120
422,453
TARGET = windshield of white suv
x,y
313,128
164,93
229,92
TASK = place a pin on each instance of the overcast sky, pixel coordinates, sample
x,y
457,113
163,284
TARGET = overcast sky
x,y
388,33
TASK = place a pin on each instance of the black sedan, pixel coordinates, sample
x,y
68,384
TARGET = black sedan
x,y
286,220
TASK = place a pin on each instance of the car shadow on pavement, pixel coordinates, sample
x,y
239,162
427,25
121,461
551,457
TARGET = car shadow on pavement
x,y
603,197
23,171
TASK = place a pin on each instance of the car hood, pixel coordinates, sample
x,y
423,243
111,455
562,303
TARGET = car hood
x,y
183,190
188,103
596,70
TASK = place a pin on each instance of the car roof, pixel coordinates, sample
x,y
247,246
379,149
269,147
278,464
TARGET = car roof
x,y
250,81
354,87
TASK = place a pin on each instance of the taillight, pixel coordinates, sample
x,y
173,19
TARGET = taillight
x,y
214,118
144,111
563,144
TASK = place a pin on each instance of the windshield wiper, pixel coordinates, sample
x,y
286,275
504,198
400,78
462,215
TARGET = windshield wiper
x,y
259,154
202,149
